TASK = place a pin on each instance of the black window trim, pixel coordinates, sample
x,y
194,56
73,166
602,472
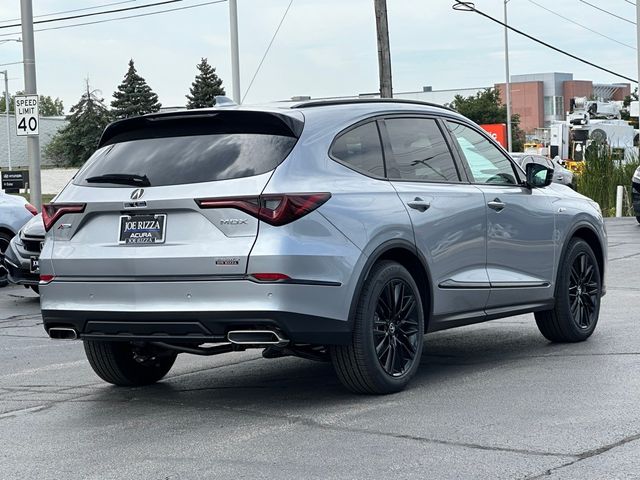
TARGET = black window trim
x,y
346,130
516,169
386,144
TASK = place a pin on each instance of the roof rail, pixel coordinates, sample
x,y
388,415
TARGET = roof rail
x,y
352,101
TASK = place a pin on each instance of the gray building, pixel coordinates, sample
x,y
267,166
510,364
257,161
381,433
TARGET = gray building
x,y
553,91
48,128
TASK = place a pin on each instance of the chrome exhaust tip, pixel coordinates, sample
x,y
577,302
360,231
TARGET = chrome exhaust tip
x,y
63,333
257,338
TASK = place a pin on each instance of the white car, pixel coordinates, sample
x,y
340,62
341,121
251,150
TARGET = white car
x,y
15,211
561,174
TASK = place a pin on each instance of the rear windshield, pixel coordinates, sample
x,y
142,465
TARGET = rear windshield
x,y
188,159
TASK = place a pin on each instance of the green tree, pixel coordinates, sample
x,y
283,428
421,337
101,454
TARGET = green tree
x,y
486,107
205,87
77,141
48,107
133,96
624,113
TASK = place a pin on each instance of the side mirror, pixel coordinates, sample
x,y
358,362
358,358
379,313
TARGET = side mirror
x,y
538,175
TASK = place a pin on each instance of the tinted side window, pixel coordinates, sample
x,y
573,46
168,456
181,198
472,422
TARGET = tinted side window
x,y
420,151
360,149
486,162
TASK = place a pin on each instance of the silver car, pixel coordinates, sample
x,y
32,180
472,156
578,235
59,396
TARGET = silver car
x,y
21,257
339,231
15,211
561,175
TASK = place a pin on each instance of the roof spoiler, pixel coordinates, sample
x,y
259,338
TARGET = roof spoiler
x,y
201,122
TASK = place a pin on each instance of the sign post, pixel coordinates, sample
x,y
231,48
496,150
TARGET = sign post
x,y
27,118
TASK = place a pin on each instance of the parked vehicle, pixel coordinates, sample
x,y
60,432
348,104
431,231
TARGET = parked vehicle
x,y
635,193
338,230
561,174
15,211
22,256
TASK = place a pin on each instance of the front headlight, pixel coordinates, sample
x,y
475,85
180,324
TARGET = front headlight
x,y
636,175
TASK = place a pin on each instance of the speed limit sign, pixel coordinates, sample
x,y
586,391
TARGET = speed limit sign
x,y
27,120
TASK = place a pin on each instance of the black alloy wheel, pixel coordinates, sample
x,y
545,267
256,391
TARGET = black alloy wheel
x,y
395,327
584,291
388,327
577,296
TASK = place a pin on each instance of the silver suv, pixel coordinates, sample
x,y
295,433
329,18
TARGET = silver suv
x,y
339,231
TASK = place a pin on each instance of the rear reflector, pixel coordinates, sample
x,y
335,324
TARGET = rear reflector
x,y
44,279
51,212
274,209
270,277
31,208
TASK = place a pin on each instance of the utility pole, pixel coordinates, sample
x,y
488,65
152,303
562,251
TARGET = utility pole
x,y
29,59
7,99
235,51
508,79
384,53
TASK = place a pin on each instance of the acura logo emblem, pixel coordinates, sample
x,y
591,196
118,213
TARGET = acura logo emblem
x,y
137,193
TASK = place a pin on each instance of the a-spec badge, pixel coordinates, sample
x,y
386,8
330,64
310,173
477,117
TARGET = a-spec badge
x,y
227,261
141,204
137,194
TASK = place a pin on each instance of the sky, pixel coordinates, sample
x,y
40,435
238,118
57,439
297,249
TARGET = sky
x,y
324,48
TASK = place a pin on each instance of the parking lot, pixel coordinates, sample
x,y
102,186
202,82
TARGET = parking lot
x,y
494,400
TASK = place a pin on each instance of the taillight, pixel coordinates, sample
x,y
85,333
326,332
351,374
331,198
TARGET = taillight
x,y
274,209
51,212
44,279
31,209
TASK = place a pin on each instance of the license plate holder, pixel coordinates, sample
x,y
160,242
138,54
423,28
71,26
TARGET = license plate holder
x,y
34,265
142,229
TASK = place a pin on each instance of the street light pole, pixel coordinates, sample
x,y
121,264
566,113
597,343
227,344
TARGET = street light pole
x,y
235,51
508,79
29,59
7,99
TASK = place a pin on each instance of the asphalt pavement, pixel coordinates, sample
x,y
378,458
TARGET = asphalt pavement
x,y
490,401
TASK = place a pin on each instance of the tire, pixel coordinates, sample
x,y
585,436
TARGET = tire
x,y
115,362
397,330
5,238
578,292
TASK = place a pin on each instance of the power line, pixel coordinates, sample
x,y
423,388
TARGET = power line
x,y
104,12
608,12
583,26
630,2
267,51
122,18
71,11
470,7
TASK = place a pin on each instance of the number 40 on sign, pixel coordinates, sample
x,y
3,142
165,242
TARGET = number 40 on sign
x,y
27,119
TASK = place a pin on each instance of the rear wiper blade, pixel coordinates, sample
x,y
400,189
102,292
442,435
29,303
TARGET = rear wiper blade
x,y
121,179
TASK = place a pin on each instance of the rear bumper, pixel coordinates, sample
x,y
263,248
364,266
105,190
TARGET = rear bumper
x,y
196,327
197,311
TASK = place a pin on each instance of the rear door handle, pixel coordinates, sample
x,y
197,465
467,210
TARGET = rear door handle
x,y
496,204
419,204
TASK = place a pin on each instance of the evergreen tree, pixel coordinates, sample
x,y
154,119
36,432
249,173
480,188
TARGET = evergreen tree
x,y
134,97
205,87
77,141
